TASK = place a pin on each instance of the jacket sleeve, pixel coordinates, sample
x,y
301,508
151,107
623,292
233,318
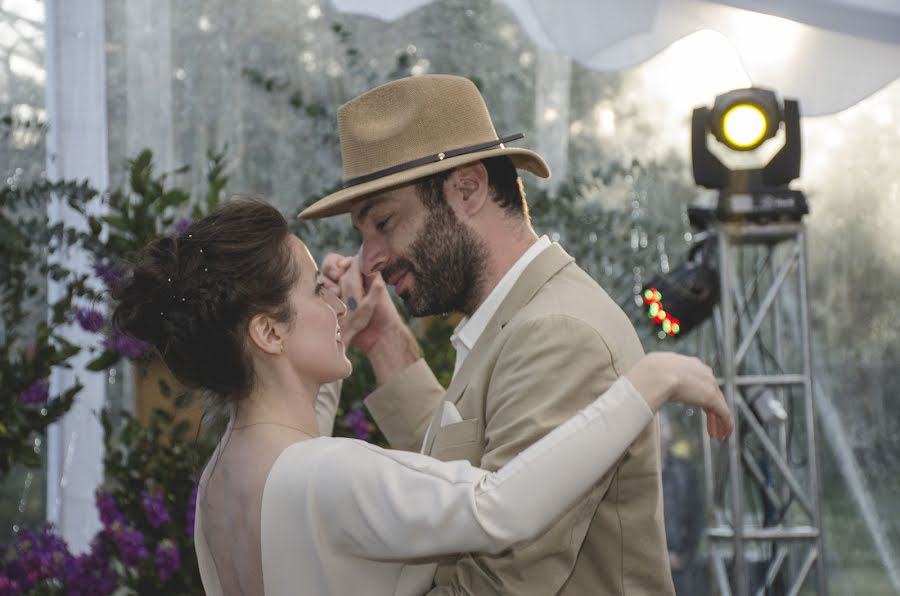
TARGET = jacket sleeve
x,y
548,368
404,405
395,505
326,406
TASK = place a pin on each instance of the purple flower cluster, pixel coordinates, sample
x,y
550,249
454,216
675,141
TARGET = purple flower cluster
x,y
109,273
125,345
358,424
130,542
167,559
182,225
155,508
42,560
91,574
90,320
34,558
37,393
108,510
191,509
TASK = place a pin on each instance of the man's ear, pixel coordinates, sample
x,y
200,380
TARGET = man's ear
x,y
468,190
265,334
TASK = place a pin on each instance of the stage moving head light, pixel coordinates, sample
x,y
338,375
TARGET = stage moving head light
x,y
744,119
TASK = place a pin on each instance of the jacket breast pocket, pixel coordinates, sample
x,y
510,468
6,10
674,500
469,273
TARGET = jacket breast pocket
x,y
456,441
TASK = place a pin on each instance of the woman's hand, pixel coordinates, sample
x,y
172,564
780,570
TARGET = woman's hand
x,y
663,376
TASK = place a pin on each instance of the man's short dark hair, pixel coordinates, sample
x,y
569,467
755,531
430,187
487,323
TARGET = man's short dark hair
x,y
503,179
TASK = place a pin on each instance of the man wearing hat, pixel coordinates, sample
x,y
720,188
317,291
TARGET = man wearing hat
x,y
436,196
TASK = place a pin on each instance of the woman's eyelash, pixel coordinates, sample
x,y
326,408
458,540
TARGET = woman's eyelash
x,y
320,287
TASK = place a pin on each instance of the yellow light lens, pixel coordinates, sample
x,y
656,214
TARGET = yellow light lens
x,y
744,125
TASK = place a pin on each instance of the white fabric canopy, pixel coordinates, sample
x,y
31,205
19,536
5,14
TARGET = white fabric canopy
x,y
829,54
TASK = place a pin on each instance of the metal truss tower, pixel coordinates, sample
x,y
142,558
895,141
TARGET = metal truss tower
x,y
764,515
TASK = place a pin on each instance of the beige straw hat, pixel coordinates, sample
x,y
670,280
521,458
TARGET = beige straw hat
x,y
412,128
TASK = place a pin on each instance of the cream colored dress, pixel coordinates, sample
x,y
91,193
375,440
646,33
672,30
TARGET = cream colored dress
x,y
342,517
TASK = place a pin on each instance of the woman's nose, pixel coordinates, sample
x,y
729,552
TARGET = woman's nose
x,y
373,257
337,305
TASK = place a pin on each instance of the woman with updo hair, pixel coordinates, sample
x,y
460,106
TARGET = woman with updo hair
x,y
235,306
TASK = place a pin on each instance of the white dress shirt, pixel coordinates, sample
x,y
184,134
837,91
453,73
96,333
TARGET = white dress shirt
x,y
470,328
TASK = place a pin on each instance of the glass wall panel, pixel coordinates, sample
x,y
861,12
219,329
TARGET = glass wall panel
x,y
23,121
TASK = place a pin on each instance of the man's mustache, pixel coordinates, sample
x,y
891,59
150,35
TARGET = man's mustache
x,y
400,265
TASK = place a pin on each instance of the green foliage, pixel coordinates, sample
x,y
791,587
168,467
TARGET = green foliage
x,y
162,460
130,219
30,343
619,249
157,460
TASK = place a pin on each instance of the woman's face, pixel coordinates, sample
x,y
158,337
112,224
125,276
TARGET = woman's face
x,y
313,341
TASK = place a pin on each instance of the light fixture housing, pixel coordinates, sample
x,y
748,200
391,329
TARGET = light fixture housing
x,y
744,119
682,299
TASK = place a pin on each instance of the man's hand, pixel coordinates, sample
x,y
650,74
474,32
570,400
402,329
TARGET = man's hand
x,y
333,267
367,303
369,306
372,320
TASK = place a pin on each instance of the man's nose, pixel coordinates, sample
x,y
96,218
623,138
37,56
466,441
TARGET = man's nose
x,y
373,257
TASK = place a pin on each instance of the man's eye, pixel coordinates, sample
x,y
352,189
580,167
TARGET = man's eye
x,y
380,225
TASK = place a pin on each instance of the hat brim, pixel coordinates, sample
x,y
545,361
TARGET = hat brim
x,y
343,200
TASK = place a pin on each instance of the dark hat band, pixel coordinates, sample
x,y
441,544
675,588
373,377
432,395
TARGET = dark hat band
x,y
430,159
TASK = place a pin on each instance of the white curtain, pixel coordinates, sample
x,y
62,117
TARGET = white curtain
x,y
76,150
829,54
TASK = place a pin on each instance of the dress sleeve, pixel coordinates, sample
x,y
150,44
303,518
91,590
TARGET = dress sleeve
x,y
326,406
391,505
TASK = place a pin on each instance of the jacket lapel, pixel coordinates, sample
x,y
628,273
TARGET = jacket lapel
x,y
539,271
536,274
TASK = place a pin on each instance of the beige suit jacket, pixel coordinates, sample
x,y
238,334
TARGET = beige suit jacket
x,y
555,343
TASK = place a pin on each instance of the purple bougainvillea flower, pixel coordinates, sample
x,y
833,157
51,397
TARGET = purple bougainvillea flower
x,y
109,511
130,543
38,556
182,225
191,509
358,424
37,393
90,319
109,273
125,345
155,508
91,574
167,559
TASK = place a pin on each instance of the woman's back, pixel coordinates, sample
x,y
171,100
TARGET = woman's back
x,y
230,506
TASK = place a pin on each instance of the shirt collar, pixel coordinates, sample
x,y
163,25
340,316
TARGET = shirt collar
x,y
470,328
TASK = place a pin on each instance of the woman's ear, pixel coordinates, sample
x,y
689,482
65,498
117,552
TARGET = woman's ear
x,y
265,334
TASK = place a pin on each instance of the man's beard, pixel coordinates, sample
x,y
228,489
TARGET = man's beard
x,y
447,266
